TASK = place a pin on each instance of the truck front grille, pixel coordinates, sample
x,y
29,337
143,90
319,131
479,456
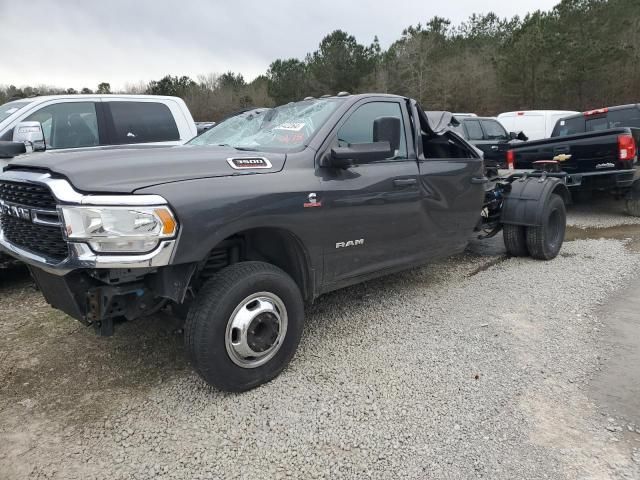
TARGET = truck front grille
x,y
17,219
27,194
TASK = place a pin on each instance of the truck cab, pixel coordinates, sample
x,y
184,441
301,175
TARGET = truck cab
x,y
487,134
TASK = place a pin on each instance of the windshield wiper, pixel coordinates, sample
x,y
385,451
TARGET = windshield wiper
x,y
246,149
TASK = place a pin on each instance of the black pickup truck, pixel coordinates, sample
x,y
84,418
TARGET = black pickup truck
x,y
597,149
238,231
488,135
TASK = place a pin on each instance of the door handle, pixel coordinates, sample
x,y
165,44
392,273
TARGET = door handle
x,y
405,182
494,147
479,180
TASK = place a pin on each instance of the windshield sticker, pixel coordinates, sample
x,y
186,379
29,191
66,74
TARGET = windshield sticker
x,y
12,110
290,126
290,138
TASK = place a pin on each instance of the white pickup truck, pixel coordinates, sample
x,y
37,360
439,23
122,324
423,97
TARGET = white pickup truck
x,y
63,122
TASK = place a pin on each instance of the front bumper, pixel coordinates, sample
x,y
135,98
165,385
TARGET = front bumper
x,y
82,257
603,179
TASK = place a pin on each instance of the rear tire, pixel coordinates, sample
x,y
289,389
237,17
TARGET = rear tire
x,y
545,242
244,326
633,207
515,239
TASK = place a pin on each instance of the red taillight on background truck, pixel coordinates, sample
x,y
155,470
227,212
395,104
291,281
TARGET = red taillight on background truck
x,y
511,159
597,111
627,149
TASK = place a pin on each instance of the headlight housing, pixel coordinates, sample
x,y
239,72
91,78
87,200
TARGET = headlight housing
x,y
126,229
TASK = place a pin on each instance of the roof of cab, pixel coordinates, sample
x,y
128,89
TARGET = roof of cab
x,y
69,96
520,113
608,109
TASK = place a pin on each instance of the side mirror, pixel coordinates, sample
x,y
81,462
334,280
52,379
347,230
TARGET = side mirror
x,y
31,134
11,149
518,136
359,153
387,129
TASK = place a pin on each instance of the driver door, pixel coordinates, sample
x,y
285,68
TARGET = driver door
x,y
369,210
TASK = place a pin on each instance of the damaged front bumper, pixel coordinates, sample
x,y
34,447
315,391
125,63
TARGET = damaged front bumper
x,y
98,296
82,257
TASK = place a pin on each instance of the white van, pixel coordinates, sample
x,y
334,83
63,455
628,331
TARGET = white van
x,y
535,124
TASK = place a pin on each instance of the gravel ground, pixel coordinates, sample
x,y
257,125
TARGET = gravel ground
x,y
603,213
477,367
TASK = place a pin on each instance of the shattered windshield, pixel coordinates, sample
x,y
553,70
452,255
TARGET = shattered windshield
x,y
283,128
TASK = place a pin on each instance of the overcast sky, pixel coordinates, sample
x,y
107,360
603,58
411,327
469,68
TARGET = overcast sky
x,y
78,43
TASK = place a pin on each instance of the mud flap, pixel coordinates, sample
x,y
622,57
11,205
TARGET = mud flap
x,y
524,203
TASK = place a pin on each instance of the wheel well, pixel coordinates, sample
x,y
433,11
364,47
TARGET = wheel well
x,y
563,191
271,245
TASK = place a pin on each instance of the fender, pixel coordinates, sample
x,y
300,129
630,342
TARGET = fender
x,y
525,202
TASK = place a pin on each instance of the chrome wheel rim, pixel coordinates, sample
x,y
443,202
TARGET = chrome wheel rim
x,y
256,330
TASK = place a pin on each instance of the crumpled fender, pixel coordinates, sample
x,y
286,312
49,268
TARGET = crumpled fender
x,y
524,204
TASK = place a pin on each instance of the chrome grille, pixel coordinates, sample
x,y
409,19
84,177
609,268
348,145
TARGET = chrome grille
x,y
23,204
27,194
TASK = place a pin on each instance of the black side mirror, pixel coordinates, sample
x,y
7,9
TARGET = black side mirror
x,y
387,129
518,136
11,149
359,153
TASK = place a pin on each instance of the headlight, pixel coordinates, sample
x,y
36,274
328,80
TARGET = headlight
x,y
119,229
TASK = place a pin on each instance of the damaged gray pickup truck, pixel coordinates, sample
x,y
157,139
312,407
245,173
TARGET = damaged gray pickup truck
x,y
241,227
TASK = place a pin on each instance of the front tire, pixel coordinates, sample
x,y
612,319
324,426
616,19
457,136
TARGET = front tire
x,y
244,326
544,242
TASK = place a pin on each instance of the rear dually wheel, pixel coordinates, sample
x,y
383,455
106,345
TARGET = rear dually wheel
x,y
544,242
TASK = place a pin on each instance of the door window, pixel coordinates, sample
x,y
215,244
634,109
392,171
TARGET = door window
x,y
474,131
359,127
494,130
68,125
142,122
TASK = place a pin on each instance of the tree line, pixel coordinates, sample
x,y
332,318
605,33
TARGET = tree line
x,y
580,55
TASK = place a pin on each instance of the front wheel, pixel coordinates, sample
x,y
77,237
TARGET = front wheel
x,y
244,326
544,242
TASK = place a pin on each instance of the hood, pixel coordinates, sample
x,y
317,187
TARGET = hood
x,y
127,170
